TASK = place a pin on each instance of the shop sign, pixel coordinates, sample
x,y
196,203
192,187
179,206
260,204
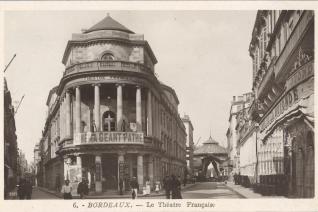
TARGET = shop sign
x,y
109,138
289,99
300,75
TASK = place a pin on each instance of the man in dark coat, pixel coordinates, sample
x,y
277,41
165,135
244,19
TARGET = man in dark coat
x,y
121,186
82,188
28,189
134,188
167,186
21,189
175,187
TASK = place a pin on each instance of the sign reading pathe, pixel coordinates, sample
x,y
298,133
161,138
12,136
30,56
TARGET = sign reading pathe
x,y
109,138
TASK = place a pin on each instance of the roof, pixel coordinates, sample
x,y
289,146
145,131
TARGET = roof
x,y
170,90
108,23
210,146
52,91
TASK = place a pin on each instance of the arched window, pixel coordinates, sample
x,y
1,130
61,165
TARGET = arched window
x,y
109,119
108,56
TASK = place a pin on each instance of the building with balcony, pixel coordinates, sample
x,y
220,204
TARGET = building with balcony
x,y
110,118
282,50
189,145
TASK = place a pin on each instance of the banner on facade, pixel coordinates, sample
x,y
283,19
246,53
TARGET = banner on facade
x,y
109,138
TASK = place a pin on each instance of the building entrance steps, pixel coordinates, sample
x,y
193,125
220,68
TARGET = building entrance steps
x,y
248,192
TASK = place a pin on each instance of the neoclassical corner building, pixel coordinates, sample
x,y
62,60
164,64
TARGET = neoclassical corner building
x,y
110,118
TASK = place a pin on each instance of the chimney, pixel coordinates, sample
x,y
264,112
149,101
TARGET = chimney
x,y
234,97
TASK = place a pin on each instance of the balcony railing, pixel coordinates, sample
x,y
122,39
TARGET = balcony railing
x,y
91,138
107,66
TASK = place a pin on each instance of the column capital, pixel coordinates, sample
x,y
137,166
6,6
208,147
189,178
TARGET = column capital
x,y
139,86
121,153
96,84
120,84
77,86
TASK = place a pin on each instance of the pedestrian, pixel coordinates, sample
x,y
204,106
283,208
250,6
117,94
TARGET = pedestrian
x,y
21,189
175,187
148,187
67,190
82,188
57,182
134,188
157,187
185,180
121,185
28,189
167,186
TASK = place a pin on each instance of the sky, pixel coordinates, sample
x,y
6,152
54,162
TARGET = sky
x,y
203,55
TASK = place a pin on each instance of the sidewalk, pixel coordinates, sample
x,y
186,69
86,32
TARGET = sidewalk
x,y
113,194
248,192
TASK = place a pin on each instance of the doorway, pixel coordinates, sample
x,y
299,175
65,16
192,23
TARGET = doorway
x,y
110,172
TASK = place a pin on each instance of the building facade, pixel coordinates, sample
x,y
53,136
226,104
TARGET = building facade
x,y
282,50
36,162
110,118
237,105
189,144
246,141
10,145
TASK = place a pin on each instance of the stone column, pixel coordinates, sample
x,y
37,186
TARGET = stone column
x,y
138,109
78,110
97,107
79,167
98,173
149,114
121,160
119,106
68,113
140,171
61,118
151,170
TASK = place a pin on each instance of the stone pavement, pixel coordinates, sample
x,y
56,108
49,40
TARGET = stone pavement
x,y
112,194
248,192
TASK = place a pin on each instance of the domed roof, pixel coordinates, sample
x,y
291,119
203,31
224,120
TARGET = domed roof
x,y
210,146
108,23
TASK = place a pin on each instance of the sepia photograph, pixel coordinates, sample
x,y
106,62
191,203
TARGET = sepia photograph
x,y
134,105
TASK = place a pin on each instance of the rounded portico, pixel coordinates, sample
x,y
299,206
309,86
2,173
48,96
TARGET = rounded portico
x,y
109,107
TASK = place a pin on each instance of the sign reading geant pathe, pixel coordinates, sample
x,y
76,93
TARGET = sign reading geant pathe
x,y
109,138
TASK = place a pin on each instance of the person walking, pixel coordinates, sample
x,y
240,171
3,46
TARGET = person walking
x,y
82,188
28,189
121,186
167,186
176,187
67,190
185,180
134,188
21,189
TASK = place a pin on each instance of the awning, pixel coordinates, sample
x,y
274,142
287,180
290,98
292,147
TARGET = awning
x,y
304,108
